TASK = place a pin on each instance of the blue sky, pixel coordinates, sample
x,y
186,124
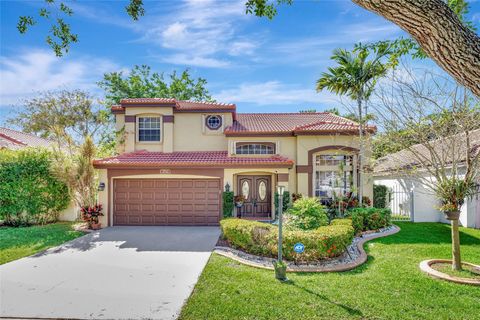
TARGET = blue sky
x,y
261,65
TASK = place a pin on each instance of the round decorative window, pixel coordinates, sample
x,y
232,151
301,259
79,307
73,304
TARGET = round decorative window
x,y
213,122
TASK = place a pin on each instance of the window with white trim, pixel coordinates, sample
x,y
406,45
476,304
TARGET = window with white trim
x,y
333,175
149,129
255,148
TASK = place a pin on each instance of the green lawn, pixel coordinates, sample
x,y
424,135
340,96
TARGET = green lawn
x,y
389,286
16,243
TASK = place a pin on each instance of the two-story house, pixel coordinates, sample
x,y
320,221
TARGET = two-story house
x,y
176,157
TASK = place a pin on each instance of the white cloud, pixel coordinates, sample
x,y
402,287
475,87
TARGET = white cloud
x,y
274,92
316,51
28,72
200,33
198,61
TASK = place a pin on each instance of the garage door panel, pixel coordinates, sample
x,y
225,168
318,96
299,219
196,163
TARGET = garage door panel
x,y
166,201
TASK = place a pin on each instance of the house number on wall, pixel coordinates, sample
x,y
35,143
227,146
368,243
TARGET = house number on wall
x,y
165,171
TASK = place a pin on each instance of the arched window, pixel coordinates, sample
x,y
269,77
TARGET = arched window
x,y
255,148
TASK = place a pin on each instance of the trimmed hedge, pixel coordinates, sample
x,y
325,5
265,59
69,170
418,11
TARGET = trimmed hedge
x,y
30,193
261,239
381,196
364,219
228,204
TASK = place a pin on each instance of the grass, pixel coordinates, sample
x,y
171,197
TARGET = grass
x,y
466,272
389,286
21,242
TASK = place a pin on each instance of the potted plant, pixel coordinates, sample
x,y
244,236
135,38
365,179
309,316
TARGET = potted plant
x,y
239,200
90,215
280,270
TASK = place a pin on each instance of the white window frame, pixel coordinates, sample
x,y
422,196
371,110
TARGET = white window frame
x,y
137,133
349,169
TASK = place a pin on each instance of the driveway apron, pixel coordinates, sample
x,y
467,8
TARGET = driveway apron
x,y
114,273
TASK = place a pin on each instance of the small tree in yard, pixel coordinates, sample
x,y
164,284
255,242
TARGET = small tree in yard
x,y
355,76
443,120
78,173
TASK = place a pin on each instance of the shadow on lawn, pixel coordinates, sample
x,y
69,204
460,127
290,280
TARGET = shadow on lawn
x,y
351,311
426,233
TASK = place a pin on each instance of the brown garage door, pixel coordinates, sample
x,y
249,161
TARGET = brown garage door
x,y
166,202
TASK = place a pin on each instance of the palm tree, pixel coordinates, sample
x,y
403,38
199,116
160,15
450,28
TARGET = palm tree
x,y
356,76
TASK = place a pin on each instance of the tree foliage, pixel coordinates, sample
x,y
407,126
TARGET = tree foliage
x,y
60,35
141,82
443,121
67,117
30,192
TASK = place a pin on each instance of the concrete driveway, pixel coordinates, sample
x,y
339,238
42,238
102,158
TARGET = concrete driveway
x,y
115,273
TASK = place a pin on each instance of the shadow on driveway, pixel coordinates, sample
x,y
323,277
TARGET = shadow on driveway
x,y
146,238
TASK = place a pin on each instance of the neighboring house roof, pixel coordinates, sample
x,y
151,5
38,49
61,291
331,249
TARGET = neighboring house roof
x,y
190,159
247,124
453,149
12,139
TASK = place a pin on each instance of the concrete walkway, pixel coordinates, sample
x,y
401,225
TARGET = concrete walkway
x,y
115,273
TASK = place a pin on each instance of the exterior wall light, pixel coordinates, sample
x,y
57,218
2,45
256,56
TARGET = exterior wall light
x,y
101,186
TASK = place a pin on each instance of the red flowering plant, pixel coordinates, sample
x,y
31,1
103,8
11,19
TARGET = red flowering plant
x,y
90,214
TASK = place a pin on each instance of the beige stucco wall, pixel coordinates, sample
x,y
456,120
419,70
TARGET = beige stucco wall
x,y
129,140
70,213
191,134
103,195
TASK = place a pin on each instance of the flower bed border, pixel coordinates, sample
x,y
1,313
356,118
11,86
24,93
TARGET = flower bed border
x,y
425,266
239,255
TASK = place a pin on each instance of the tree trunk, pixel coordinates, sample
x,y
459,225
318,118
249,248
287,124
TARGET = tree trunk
x,y
456,260
361,153
440,33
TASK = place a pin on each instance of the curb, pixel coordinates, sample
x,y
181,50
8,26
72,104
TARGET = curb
x,y
425,266
361,259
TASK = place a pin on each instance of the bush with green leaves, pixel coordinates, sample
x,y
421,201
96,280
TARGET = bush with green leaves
x,y
285,200
228,203
306,214
381,196
262,239
30,193
364,219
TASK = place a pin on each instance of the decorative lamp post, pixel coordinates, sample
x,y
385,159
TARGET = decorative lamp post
x,y
279,265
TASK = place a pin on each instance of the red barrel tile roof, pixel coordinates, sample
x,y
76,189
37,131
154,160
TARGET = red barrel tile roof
x,y
291,123
180,105
13,139
190,159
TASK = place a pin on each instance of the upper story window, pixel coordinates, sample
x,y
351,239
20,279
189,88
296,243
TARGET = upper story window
x,y
149,128
255,148
213,122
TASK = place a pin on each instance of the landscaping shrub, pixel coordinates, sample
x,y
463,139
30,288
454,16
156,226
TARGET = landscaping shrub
x,y
261,238
29,191
381,196
228,204
306,214
251,236
286,200
364,219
